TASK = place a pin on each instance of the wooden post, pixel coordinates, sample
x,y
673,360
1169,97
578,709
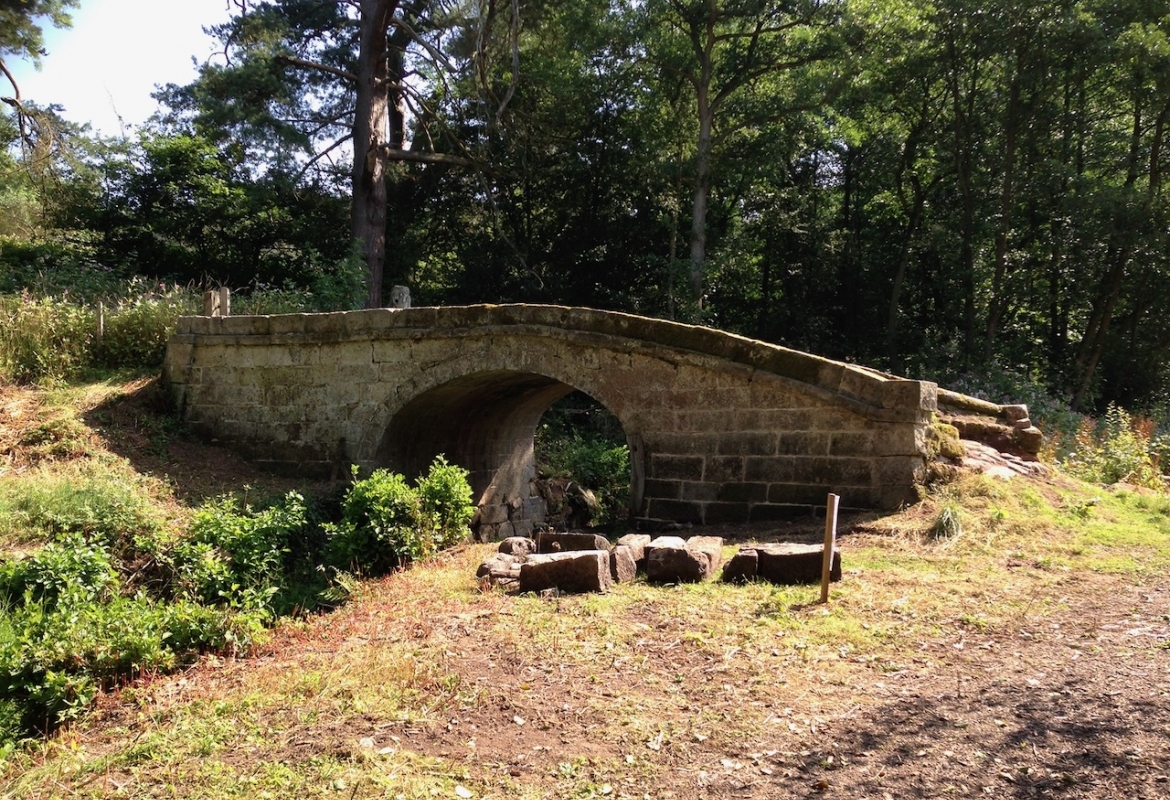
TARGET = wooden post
x,y
101,331
225,301
830,544
211,304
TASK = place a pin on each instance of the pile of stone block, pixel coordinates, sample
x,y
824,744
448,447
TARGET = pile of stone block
x,y
588,562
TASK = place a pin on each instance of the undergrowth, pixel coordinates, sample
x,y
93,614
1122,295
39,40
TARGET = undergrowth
x,y
115,591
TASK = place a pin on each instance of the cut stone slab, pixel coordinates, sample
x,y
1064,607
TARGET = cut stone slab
x,y
742,567
789,563
518,546
572,571
710,546
671,561
622,566
500,569
637,542
565,542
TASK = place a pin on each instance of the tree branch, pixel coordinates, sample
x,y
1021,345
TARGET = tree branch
x,y
415,157
300,62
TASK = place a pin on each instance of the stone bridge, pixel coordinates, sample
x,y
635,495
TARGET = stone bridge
x,y
721,428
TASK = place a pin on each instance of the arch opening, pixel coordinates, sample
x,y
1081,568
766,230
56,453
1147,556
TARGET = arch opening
x,y
583,464
485,422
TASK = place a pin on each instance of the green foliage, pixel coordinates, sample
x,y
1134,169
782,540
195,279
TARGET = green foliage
x,y
580,440
69,570
100,507
387,523
445,502
1114,451
234,555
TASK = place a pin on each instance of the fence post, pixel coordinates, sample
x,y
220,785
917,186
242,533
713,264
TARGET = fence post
x,y
225,301
830,543
211,304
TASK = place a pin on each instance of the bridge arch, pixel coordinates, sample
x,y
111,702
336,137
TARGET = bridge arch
x,y
728,429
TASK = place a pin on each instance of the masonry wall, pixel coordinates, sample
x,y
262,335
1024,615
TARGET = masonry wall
x,y
724,428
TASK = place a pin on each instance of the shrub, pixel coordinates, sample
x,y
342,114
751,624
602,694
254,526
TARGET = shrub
x,y
43,338
446,502
386,523
1114,451
600,465
70,570
234,555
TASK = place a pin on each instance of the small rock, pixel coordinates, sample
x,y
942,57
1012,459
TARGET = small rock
x,y
742,567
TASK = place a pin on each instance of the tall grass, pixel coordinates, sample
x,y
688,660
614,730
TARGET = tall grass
x,y
61,336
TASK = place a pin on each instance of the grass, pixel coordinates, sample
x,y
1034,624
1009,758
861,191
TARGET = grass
x,y
423,685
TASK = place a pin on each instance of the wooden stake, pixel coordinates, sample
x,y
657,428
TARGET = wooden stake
x,y
830,543
101,331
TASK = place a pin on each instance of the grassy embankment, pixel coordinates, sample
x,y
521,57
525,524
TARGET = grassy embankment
x,y
423,685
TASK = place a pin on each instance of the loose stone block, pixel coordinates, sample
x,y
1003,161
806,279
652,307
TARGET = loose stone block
x,y
637,543
789,563
622,566
711,547
574,571
493,514
742,567
518,546
670,560
563,542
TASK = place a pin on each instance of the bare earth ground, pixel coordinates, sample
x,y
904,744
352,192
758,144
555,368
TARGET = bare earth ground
x,y
1066,695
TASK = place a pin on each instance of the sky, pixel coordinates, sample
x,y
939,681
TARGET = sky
x,y
104,68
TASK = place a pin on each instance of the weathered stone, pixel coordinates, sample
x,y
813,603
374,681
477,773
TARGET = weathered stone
x,y
622,566
711,547
504,562
669,560
1030,439
573,571
742,567
493,514
518,546
637,542
548,542
789,563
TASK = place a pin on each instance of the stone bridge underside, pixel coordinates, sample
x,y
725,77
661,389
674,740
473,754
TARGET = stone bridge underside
x,y
721,428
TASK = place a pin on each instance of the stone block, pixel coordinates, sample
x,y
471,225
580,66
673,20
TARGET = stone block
x,y
719,513
742,492
775,512
547,542
752,443
795,563
742,567
723,469
493,514
662,489
677,510
574,571
637,544
803,443
671,561
623,567
679,468
709,546
699,492
500,562
518,546
777,469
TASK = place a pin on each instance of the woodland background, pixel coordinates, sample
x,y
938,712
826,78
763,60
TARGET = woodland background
x,y
938,189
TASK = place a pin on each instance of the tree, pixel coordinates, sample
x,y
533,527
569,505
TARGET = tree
x,y
304,79
741,59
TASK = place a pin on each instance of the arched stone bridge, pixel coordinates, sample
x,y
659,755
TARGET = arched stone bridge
x,y
721,428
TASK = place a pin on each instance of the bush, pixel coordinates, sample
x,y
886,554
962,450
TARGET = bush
x,y
69,570
601,466
1114,451
386,523
234,555
446,503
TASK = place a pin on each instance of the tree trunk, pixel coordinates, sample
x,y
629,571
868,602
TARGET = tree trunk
x,y
369,136
698,269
